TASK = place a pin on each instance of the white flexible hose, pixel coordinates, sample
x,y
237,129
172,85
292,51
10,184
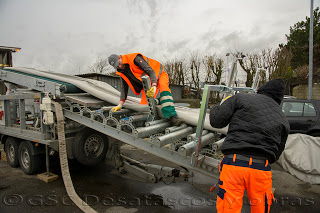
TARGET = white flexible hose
x,y
64,163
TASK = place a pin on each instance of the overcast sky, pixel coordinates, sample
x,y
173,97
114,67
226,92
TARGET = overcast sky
x,y
68,36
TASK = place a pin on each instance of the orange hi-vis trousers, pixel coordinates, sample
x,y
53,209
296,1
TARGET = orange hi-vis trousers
x,y
239,175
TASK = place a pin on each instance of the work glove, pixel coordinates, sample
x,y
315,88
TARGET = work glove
x,y
151,91
114,109
225,99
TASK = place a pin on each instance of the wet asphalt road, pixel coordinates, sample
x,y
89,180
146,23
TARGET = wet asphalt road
x,y
103,188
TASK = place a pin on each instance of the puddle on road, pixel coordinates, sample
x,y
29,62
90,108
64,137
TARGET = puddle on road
x,y
183,196
2,187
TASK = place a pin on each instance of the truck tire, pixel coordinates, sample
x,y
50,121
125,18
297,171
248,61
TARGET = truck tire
x,y
30,164
90,147
12,147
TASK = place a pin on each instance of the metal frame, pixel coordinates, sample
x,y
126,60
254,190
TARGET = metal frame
x,y
208,167
31,82
151,102
111,124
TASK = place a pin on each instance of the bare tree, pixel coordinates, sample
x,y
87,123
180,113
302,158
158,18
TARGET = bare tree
x,y
195,65
249,64
177,73
176,70
208,63
100,66
214,69
265,59
281,68
276,62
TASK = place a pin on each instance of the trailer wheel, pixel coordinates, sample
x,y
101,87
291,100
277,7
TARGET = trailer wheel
x,y
90,147
30,164
12,147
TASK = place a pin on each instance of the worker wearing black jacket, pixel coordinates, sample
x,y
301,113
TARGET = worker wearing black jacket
x,y
256,137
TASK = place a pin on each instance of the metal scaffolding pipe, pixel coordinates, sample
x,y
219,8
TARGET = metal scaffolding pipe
x,y
191,147
122,111
151,123
135,118
106,108
191,137
175,128
256,79
143,132
233,74
151,103
171,137
217,145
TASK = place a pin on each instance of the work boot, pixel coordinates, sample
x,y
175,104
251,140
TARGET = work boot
x,y
175,121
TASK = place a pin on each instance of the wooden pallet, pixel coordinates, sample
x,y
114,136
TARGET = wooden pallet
x,y
44,177
4,156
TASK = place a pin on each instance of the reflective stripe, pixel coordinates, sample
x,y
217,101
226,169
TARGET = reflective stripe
x,y
229,161
167,97
161,69
147,60
167,104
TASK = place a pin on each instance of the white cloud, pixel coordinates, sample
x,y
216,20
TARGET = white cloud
x,y
68,36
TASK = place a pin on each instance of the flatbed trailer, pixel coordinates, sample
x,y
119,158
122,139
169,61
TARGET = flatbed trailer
x,y
157,137
31,131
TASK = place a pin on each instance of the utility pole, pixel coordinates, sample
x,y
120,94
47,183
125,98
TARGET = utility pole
x,y
310,53
227,68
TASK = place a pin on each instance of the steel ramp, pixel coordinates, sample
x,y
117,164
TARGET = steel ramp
x,y
157,137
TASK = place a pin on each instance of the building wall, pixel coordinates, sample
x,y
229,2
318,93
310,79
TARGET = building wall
x,y
301,91
3,88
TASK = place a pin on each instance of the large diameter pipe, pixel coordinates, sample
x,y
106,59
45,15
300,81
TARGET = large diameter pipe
x,y
171,137
69,88
143,132
191,147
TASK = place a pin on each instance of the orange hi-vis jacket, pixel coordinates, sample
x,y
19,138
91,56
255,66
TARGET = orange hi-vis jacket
x,y
136,71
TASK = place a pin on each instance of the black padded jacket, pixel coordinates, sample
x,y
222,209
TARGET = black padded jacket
x,y
257,125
